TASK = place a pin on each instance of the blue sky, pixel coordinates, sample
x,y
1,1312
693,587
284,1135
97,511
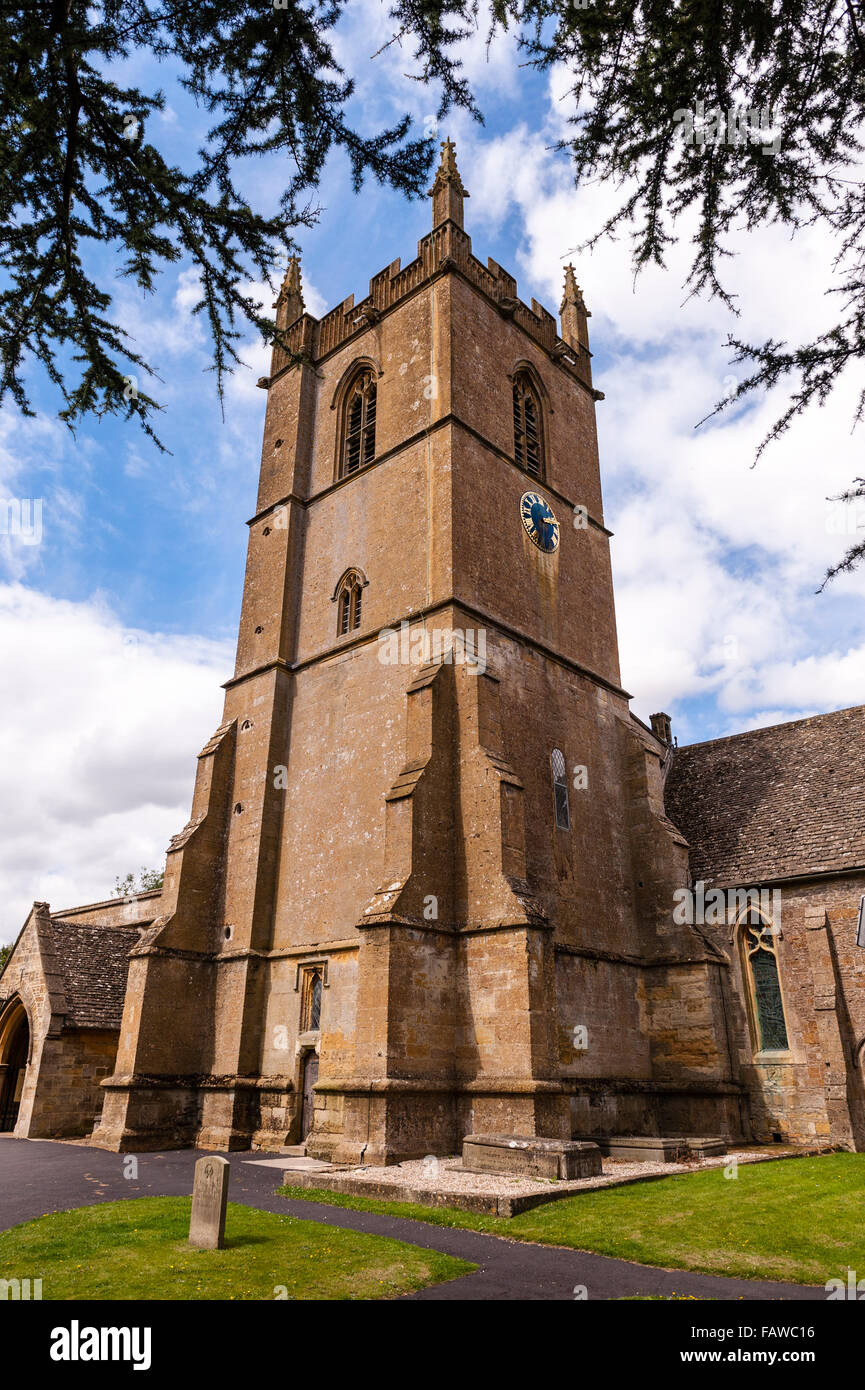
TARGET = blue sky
x,y
133,594
184,513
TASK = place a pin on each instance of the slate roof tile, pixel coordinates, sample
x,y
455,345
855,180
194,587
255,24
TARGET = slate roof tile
x,y
773,803
94,964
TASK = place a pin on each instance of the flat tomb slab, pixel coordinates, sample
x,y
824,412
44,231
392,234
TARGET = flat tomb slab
x,y
640,1148
531,1157
289,1164
707,1148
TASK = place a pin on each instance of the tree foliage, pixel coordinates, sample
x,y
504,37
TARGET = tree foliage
x,y
147,882
79,169
723,117
735,115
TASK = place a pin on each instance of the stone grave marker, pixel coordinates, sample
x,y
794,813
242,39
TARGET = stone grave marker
x,y
209,1200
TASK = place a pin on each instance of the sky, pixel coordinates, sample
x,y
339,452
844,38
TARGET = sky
x,y
117,628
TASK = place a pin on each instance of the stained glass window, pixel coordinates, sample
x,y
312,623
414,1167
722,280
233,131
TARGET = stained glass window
x,y
765,986
560,790
311,1021
315,1001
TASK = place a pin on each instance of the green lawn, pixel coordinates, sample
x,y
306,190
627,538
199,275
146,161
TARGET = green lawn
x,y
801,1220
138,1250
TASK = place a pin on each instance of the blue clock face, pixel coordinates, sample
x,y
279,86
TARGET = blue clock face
x,y
539,521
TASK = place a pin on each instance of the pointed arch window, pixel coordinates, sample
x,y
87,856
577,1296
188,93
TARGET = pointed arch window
x,y
310,1011
764,985
528,428
560,790
349,599
358,448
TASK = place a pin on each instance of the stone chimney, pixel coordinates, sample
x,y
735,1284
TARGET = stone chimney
x,y
662,727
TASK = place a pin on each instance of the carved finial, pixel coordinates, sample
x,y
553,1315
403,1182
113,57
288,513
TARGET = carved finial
x,y
447,172
448,189
574,313
291,285
573,294
289,302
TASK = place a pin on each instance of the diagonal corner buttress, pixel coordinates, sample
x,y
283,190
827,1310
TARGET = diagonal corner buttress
x,y
445,865
194,861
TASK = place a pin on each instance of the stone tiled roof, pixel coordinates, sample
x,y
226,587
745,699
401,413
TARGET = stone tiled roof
x,y
773,803
93,962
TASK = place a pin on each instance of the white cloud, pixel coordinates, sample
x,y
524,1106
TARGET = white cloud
x,y
34,503
831,681
715,561
97,746
765,718
241,387
369,46
158,336
315,303
188,291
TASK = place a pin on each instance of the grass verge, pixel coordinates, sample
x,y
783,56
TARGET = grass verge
x,y
138,1250
800,1220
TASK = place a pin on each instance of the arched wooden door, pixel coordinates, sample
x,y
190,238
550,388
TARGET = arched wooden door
x,y
14,1051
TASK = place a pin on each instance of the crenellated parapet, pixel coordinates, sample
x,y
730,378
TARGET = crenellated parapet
x,y
447,248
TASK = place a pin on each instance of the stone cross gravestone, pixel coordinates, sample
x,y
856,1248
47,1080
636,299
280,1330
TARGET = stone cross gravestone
x,y
209,1200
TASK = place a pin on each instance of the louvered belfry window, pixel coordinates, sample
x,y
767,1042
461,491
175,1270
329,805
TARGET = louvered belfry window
x,y
560,790
528,439
359,438
771,1026
344,611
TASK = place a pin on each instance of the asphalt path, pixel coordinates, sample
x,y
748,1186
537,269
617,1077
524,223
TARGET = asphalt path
x,y
41,1176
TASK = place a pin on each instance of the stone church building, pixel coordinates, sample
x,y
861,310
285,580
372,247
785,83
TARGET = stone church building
x,y
437,878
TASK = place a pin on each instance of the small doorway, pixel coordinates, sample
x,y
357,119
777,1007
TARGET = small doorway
x,y
310,1076
13,1066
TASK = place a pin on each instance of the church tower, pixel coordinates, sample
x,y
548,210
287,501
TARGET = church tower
x,y
426,888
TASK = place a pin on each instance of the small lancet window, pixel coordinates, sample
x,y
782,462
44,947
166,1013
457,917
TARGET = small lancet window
x,y
359,425
311,1020
765,985
350,603
560,790
528,437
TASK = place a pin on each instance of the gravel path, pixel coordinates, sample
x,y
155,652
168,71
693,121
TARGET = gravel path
x,y
448,1175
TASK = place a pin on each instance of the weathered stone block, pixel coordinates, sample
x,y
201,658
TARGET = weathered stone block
x,y
638,1148
529,1156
